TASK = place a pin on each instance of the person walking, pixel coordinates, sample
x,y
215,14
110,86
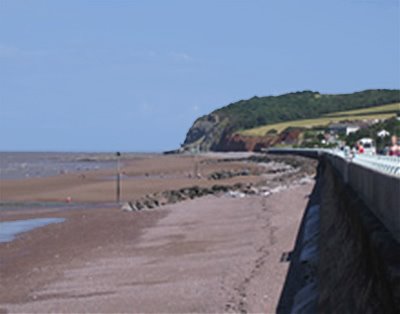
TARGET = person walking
x,y
395,148
360,148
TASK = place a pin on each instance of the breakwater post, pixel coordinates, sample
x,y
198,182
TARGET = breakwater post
x,y
118,181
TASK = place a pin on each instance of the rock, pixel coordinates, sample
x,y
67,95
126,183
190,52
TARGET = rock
x,y
238,186
236,194
205,133
253,190
219,188
278,189
224,174
174,196
186,191
193,193
150,201
147,204
305,180
139,205
126,207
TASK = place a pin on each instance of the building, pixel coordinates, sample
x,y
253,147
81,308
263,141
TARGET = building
x,y
382,133
343,128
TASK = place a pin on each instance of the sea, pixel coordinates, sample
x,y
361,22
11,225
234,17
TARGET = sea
x,y
20,165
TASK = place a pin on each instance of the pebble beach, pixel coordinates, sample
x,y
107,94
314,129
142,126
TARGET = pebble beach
x,y
217,252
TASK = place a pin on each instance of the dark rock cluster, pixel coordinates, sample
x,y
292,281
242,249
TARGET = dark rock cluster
x,y
226,174
175,196
293,169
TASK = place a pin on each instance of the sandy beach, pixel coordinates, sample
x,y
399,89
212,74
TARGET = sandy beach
x,y
211,254
139,177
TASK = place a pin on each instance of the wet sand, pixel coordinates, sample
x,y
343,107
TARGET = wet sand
x,y
213,254
140,177
37,257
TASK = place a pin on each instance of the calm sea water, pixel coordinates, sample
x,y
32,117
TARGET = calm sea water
x,y
19,165
9,229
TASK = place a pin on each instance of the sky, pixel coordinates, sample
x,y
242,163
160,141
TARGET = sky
x,y
97,75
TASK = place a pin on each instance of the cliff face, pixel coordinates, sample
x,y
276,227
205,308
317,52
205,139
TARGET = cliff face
x,y
237,142
218,130
206,133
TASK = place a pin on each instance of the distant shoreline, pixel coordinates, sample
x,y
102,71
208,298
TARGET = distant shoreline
x,y
22,165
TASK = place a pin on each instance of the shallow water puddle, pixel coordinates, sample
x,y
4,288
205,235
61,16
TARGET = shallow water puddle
x,y
9,229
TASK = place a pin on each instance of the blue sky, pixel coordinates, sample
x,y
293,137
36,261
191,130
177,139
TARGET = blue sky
x,y
134,75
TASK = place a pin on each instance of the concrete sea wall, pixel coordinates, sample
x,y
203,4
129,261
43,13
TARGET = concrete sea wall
x,y
380,191
358,251
359,267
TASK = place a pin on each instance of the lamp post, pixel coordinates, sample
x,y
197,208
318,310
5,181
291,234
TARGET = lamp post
x,y
118,187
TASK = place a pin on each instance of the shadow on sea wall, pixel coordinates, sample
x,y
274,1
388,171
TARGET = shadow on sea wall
x,y
359,270
300,291
355,266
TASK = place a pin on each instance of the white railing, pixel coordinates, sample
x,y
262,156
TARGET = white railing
x,y
375,179
385,164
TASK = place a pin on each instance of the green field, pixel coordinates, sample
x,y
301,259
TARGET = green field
x,y
379,112
392,108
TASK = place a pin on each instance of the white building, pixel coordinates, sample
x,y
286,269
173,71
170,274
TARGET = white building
x,y
382,133
343,128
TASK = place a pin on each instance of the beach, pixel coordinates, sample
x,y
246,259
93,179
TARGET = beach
x,y
216,253
140,176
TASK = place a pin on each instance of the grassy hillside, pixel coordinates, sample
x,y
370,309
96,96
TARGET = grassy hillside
x,y
259,111
209,131
379,112
392,108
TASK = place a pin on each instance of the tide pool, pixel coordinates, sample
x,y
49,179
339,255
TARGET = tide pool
x,y
9,229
